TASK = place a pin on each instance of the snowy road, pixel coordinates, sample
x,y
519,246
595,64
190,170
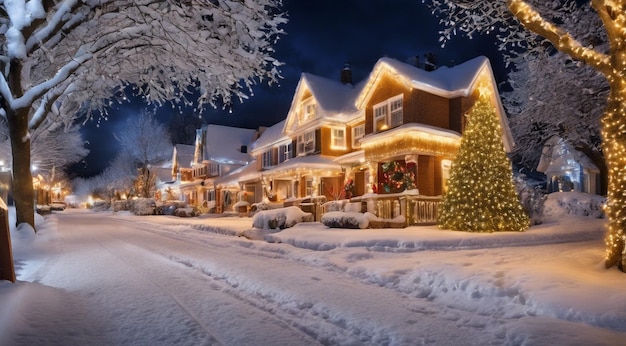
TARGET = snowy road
x,y
214,289
107,279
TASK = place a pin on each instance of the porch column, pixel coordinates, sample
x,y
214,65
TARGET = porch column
x,y
411,163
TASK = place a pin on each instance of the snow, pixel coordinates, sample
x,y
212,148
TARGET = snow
x,y
121,279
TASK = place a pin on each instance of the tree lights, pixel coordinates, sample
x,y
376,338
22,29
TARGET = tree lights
x,y
481,196
613,66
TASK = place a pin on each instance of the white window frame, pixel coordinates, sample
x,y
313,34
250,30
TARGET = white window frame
x,y
267,159
308,109
358,132
446,167
338,137
284,152
389,113
308,187
306,143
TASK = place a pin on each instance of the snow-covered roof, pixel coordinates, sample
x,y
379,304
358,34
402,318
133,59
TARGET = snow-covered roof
x,y
223,144
306,162
334,99
244,173
184,155
556,153
271,136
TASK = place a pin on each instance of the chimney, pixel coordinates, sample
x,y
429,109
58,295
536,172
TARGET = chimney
x,y
198,154
346,74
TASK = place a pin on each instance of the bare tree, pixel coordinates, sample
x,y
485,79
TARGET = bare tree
x,y
542,18
61,56
146,142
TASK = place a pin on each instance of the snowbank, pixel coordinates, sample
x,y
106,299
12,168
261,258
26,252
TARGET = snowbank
x,y
560,204
280,218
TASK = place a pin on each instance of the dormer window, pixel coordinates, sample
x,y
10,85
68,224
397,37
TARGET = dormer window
x,y
267,159
357,133
307,110
388,114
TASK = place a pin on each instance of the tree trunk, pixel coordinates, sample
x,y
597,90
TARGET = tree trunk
x,y
614,147
23,192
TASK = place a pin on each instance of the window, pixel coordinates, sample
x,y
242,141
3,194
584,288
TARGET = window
x,y
338,138
306,143
267,159
357,133
285,152
446,165
214,169
309,187
307,111
388,114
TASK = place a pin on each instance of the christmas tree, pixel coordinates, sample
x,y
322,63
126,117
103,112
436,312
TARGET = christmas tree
x,y
481,196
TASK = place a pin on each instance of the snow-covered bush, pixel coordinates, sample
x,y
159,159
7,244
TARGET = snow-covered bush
x,y
186,212
121,205
333,205
339,219
169,207
560,204
280,218
101,205
143,206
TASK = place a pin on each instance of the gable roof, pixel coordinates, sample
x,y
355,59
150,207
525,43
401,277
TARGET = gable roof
x,y
183,155
336,100
449,82
271,136
223,144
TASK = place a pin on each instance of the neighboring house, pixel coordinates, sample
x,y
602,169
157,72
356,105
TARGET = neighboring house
x,y
218,151
568,169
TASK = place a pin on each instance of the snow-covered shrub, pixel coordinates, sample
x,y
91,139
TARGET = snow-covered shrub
x,y
339,219
333,206
531,198
101,205
186,212
169,207
121,205
280,218
143,206
560,204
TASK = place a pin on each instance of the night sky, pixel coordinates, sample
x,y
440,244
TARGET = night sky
x,y
321,36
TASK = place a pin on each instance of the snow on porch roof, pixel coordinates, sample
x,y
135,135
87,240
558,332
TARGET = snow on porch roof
x,y
223,144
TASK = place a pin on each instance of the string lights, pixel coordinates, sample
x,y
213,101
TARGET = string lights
x,y
613,67
481,196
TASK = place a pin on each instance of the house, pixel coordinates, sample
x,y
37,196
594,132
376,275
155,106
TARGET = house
x,y
568,169
385,144
218,151
295,158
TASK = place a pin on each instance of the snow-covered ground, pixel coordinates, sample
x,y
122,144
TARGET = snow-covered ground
x,y
113,278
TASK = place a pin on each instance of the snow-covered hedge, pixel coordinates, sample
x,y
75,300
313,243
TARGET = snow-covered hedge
x,y
340,219
143,206
101,205
121,205
560,204
280,218
169,207
186,212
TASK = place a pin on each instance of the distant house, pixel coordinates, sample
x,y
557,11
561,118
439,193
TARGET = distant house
x,y
218,151
568,169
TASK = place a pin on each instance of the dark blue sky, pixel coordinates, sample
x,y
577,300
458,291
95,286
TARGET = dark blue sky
x,y
321,36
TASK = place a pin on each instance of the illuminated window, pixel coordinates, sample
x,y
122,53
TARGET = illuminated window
x,y
357,133
306,143
338,138
267,159
307,110
388,114
309,187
